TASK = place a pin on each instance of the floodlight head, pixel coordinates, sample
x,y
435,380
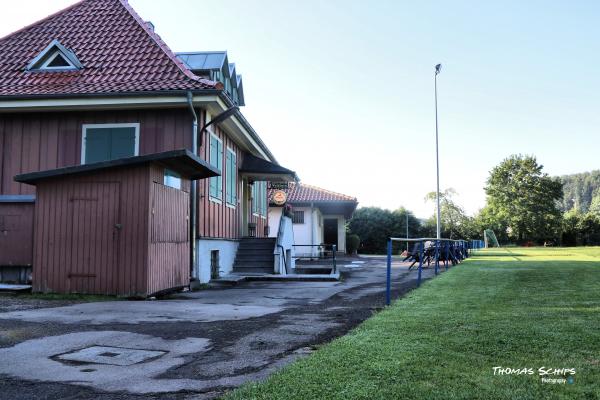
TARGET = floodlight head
x,y
438,69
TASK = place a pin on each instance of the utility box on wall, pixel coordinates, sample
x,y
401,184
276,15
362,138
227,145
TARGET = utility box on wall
x,y
118,227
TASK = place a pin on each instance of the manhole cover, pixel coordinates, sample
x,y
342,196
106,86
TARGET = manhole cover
x,y
111,355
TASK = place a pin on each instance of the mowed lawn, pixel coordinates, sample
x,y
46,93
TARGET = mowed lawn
x,y
517,308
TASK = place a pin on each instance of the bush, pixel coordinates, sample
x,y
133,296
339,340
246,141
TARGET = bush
x,y
352,243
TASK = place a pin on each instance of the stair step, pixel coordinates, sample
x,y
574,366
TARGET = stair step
x,y
266,270
253,263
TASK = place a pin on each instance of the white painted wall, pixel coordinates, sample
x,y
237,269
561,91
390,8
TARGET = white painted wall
x,y
274,217
227,251
312,230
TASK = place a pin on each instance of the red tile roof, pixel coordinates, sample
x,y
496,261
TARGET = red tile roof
x,y
119,53
302,193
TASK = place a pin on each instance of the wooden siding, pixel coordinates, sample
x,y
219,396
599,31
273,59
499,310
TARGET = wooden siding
x,y
39,141
217,219
119,231
46,140
169,248
16,234
78,247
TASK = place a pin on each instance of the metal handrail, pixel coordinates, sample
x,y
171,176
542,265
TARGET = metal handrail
x,y
322,245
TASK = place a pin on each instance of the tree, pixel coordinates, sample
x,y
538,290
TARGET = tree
x,y
455,222
580,229
595,204
525,199
375,225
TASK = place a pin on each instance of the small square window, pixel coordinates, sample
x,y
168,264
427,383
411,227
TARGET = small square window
x,y
172,179
298,217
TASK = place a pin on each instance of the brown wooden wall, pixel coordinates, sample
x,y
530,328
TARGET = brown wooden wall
x,y
218,220
16,234
40,141
169,244
119,232
78,247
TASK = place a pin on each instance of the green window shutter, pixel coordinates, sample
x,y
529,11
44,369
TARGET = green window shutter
x,y
102,144
213,162
97,145
233,178
220,167
122,142
228,178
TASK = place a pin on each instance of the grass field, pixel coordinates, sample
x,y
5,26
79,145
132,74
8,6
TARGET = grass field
x,y
512,308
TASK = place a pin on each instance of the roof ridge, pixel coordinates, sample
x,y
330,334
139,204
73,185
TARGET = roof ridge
x,y
47,17
165,48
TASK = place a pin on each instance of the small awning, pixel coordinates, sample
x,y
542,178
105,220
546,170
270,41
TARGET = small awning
x,y
262,170
181,161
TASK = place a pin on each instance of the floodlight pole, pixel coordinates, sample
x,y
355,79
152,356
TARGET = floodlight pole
x,y
438,69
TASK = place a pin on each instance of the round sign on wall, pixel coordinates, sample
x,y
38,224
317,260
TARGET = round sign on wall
x,y
279,197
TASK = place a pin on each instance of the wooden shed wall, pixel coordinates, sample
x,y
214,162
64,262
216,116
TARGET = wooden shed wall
x,y
77,246
169,241
16,234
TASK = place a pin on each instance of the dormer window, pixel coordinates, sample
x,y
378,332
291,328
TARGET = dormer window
x,y
55,57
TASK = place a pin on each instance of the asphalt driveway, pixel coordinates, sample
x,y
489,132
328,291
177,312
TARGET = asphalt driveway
x,y
194,345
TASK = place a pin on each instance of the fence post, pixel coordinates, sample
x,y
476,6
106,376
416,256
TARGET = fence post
x,y
334,261
388,286
421,248
437,256
447,246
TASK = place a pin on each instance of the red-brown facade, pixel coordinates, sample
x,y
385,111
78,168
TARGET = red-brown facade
x,y
118,231
40,141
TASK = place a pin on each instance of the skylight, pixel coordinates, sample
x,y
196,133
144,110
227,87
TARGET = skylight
x,y
55,57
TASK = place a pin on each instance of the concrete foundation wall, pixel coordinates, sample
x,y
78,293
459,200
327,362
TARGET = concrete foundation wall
x,y
227,251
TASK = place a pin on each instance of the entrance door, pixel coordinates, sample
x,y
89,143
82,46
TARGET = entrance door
x,y
330,231
93,212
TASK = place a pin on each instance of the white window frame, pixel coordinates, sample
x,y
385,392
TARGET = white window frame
x,y
231,205
211,198
85,127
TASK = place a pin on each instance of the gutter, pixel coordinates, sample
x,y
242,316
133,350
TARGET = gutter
x,y
193,190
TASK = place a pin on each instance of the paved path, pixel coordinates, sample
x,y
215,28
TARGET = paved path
x,y
197,345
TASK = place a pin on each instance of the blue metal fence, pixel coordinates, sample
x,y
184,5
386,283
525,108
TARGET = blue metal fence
x,y
448,251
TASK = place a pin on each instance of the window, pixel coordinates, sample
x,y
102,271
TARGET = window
x,y
259,198
172,179
103,142
231,178
298,217
216,160
55,57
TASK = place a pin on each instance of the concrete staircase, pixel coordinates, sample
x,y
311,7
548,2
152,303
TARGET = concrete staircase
x,y
255,256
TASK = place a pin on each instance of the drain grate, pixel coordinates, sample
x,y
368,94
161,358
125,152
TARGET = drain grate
x,y
111,355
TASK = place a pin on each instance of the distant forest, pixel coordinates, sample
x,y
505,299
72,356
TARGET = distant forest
x,y
579,190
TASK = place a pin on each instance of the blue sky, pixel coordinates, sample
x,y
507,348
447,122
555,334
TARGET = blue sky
x,y
342,91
